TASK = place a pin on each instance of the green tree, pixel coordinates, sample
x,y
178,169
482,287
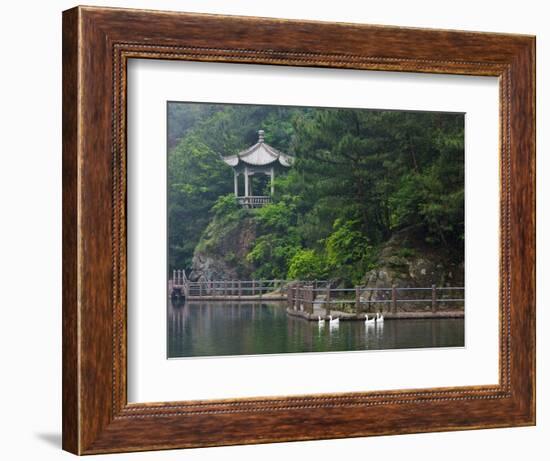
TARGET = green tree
x,y
349,254
196,179
359,176
307,265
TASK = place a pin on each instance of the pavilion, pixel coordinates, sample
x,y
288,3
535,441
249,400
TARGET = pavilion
x,y
260,158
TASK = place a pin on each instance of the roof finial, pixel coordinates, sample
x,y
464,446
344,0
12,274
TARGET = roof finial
x,y
260,135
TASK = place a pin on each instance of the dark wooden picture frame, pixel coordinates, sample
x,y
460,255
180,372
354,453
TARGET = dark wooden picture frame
x,y
97,43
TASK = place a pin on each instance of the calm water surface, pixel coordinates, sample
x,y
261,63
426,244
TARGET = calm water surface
x,y
222,328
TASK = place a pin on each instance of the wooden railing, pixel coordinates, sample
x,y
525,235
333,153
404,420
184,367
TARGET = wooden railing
x,y
305,297
177,285
180,285
306,294
178,278
254,201
232,288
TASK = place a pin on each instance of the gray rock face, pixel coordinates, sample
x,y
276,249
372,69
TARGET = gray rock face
x,y
207,267
408,262
221,253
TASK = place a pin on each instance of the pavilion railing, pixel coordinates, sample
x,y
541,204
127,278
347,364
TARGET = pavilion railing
x,y
254,201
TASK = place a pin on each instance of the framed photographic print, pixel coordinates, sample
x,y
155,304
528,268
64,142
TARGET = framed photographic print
x,y
284,230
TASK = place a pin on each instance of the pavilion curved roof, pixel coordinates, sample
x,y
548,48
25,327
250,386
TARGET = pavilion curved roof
x,y
260,154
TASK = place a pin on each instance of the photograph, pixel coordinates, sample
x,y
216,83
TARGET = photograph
x,y
313,229
275,231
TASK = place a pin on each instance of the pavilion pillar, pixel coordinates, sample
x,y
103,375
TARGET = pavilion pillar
x,y
272,179
246,184
236,183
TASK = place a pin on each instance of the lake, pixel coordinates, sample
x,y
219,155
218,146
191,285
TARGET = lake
x,y
199,329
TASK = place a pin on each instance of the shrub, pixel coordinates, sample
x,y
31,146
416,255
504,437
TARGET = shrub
x,y
307,265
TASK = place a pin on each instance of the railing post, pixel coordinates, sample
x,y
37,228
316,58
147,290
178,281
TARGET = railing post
x,y
239,285
327,302
253,287
357,300
289,297
394,298
434,299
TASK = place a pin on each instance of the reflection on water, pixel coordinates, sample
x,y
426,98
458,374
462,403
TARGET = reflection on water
x,y
227,328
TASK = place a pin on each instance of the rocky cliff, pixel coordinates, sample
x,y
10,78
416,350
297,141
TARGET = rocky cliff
x,y
407,261
221,252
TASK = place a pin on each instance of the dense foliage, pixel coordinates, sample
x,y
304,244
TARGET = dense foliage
x,y
359,176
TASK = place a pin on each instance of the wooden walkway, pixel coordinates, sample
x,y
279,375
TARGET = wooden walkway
x,y
312,303
258,297
220,290
345,316
314,299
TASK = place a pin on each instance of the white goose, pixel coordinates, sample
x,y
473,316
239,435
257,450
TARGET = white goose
x,y
332,321
321,321
379,318
367,320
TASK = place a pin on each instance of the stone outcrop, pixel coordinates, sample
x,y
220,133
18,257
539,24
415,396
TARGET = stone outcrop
x,y
406,261
221,252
